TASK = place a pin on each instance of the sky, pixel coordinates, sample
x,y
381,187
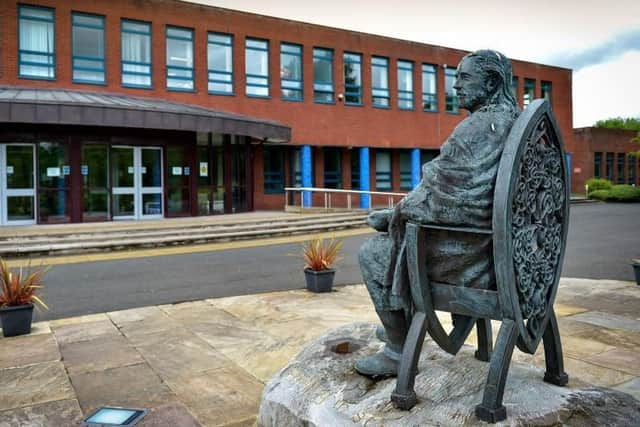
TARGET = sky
x,y
599,40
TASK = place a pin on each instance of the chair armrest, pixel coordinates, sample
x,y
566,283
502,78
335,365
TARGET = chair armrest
x,y
459,229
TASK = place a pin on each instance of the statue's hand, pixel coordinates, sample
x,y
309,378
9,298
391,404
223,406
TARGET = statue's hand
x,y
379,220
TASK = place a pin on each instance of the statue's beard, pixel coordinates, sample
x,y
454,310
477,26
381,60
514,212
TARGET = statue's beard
x,y
474,100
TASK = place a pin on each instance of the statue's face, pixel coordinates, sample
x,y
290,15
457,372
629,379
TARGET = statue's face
x,y
471,86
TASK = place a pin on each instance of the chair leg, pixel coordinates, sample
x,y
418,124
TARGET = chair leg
x,y
491,409
485,340
404,396
555,373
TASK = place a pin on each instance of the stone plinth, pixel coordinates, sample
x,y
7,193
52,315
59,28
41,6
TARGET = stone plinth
x,y
319,387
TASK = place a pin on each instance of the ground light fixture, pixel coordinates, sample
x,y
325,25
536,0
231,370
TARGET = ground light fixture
x,y
109,416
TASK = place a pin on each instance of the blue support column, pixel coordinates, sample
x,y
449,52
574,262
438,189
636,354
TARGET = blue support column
x,y
364,177
306,165
415,167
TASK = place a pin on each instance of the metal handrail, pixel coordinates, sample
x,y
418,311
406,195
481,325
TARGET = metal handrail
x,y
328,191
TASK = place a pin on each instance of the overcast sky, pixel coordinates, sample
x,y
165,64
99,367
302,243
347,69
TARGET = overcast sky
x,y
599,40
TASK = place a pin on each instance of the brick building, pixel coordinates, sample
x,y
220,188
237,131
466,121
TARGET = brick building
x,y
604,153
162,108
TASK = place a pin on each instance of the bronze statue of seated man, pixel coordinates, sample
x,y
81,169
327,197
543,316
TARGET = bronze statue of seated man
x,y
456,189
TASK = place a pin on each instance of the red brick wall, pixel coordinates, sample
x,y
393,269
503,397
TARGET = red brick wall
x,y
591,140
311,123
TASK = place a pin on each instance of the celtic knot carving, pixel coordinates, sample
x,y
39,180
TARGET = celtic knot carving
x,y
538,209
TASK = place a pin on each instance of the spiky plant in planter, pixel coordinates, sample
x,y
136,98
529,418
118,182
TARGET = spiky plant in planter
x,y
319,256
18,295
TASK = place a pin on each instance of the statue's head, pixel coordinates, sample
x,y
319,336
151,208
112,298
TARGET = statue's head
x,y
484,77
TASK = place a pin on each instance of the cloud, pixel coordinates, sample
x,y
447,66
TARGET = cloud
x,y
612,48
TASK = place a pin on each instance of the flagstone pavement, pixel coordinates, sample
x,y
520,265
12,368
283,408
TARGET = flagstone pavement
x,y
205,363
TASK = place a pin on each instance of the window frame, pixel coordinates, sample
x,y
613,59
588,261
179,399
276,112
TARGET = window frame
x,y
335,176
177,67
257,76
351,89
52,55
103,70
405,175
299,82
384,177
545,84
123,62
275,178
620,168
597,164
451,99
529,89
428,95
214,71
329,58
382,89
405,66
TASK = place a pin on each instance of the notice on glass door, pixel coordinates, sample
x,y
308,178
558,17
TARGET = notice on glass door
x,y
53,172
176,170
204,169
9,170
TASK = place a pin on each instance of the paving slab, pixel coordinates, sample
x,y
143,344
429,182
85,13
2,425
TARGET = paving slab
x,y
220,397
609,320
171,414
83,331
594,374
60,413
34,384
99,354
134,386
28,349
619,359
632,387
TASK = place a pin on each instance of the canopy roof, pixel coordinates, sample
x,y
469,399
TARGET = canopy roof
x,y
71,107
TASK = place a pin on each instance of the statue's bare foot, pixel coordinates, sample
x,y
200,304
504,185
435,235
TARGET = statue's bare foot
x,y
381,334
377,366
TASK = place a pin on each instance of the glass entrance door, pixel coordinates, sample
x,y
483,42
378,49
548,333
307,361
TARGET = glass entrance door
x,y
137,182
17,184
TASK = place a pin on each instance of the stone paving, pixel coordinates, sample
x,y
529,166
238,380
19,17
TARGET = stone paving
x,y
205,363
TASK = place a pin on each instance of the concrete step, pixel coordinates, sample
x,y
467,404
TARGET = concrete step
x,y
109,240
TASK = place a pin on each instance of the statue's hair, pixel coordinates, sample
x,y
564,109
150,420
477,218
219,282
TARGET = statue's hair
x,y
494,64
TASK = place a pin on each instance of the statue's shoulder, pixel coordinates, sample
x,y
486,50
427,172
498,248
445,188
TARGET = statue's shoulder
x,y
491,119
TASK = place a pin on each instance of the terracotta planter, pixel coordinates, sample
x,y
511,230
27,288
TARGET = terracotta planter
x,y
636,270
319,281
16,320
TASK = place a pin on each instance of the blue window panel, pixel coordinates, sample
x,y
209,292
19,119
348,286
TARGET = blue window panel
x,y
332,167
36,43
135,51
323,75
180,72
88,48
291,77
405,170
257,67
355,170
380,81
429,88
451,99
220,63
383,170
352,78
405,85
273,170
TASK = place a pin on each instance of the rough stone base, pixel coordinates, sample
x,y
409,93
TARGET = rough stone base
x,y
319,387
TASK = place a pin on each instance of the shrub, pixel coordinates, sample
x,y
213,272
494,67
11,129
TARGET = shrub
x,y
603,195
319,255
625,193
20,287
596,184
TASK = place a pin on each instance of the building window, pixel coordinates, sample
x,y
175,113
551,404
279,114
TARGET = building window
x,y
179,59
273,170
610,166
322,75
620,161
291,71
405,85
429,91
383,170
529,91
597,165
451,99
220,63
352,78
405,170
380,81
88,48
257,67
36,51
332,168
631,168
514,86
355,169
545,90
136,54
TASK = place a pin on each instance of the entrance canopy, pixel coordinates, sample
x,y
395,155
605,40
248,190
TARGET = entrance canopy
x,y
71,107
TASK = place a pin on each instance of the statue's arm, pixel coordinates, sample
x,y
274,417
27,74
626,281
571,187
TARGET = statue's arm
x,y
379,220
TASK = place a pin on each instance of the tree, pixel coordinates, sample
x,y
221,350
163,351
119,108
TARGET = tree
x,y
626,123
